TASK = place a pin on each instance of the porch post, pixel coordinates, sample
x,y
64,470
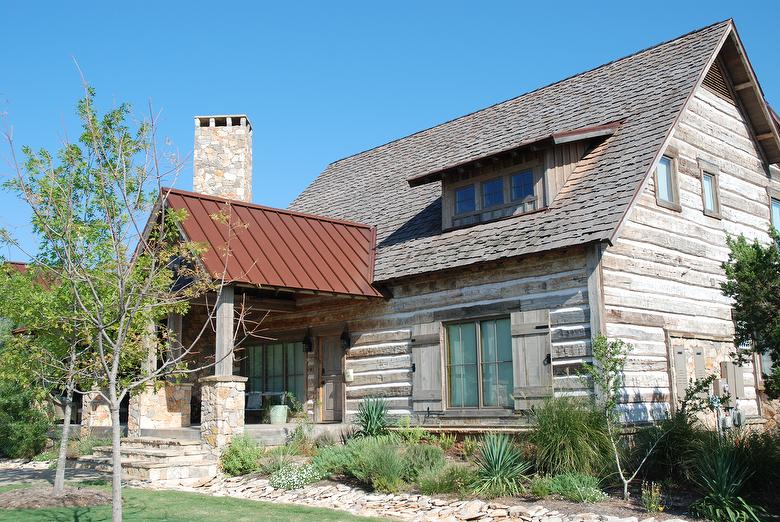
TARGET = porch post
x,y
135,409
224,348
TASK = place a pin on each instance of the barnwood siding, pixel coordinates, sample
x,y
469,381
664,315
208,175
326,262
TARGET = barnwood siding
x,y
661,278
559,163
380,353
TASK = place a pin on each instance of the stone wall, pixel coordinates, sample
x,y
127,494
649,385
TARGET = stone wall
x,y
166,407
223,157
222,410
95,413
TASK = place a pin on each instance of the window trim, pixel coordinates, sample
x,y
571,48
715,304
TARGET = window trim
x,y
455,199
671,155
774,195
477,321
710,169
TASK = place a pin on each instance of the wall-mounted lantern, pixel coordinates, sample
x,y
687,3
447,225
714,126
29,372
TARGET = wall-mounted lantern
x,y
308,343
345,340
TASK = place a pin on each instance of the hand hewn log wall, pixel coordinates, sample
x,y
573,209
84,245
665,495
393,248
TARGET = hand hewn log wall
x,y
662,276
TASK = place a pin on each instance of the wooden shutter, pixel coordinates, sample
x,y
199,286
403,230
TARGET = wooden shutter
x,y
680,372
531,358
698,363
735,377
427,363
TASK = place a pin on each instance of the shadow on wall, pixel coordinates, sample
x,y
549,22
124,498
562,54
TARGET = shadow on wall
x,y
638,410
425,223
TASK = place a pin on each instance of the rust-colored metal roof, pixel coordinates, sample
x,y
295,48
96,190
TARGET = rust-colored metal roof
x,y
277,248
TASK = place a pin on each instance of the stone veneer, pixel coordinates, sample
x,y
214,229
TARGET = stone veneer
x,y
222,410
222,159
95,413
166,407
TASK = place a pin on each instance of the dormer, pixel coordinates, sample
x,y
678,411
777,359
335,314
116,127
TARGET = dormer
x,y
517,181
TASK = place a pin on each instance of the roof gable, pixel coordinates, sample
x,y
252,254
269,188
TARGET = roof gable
x,y
646,92
276,248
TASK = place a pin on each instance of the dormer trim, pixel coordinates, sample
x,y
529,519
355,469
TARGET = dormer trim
x,y
535,144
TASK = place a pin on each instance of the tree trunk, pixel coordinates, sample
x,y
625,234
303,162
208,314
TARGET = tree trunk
x,y
59,475
116,460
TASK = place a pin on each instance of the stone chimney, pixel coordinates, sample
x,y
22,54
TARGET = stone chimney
x,y
223,156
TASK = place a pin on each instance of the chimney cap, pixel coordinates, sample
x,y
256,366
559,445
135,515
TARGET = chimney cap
x,y
223,120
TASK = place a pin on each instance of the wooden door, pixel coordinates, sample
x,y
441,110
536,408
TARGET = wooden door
x,y
332,381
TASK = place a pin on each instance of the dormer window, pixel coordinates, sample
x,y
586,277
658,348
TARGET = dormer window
x,y
493,193
522,185
465,200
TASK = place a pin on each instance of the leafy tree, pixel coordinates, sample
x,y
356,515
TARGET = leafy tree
x,y
753,282
107,235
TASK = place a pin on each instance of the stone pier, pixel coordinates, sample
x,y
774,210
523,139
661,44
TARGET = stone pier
x,y
95,413
222,410
159,407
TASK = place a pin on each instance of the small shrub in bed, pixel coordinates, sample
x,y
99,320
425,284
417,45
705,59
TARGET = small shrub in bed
x,y
242,456
651,498
470,445
446,441
294,476
540,487
377,461
450,478
371,417
411,434
332,460
419,458
577,487
23,424
500,467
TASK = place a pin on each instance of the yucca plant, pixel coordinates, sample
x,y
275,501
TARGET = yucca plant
x,y
371,417
500,467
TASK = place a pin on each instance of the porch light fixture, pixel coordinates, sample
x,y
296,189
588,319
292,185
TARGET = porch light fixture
x,y
308,345
345,340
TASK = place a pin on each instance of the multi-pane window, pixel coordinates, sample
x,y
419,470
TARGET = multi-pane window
x,y
493,192
776,213
665,181
465,200
709,187
522,185
278,367
479,364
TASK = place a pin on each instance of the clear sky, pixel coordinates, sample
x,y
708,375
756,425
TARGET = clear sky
x,y
321,80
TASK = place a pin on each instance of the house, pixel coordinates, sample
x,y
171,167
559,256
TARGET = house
x,y
461,272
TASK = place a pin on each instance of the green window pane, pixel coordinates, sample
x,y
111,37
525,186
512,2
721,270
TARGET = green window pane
x,y
463,386
776,214
504,339
708,184
489,385
505,384
664,180
489,341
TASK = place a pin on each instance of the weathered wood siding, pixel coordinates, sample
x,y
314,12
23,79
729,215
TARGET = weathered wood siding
x,y
661,278
381,350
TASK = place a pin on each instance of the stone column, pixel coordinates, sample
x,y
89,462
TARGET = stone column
x,y
95,413
162,407
222,410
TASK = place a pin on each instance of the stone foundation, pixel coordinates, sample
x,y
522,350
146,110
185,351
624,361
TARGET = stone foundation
x,y
166,407
95,413
222,410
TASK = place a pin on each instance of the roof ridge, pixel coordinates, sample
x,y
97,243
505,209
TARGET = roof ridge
x,y
611,62
249,204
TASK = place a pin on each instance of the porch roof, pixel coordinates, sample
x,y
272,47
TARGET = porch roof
x,y
279,249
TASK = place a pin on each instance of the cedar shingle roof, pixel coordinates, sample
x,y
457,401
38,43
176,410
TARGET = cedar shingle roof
x,y
646,91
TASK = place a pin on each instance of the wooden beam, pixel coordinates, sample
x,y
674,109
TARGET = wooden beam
x,y
765,136
224,345
742,86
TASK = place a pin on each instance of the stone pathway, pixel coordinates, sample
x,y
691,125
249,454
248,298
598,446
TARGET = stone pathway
x,y
407,507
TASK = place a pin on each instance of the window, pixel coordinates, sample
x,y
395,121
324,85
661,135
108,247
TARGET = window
x,y
776,213
709,187
493,193
277,367
522,185
666,184
465,200
479,364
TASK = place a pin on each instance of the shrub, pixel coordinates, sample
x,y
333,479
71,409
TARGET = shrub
x,y
577,487
294,476
301,441
276,459
411,434
242,456
446,441
570,436
46,456
87,445
500,467
762,451
540,487
721,470
419,458
23,424
377,462
470,445
651,497
332,460
371,417
325,440
450,478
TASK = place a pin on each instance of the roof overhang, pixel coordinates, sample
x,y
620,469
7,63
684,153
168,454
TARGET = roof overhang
x,y
751,97
537,143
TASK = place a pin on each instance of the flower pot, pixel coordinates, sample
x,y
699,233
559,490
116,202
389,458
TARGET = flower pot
x,y
279,414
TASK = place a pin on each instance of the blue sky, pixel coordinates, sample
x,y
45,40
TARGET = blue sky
x,y
320,80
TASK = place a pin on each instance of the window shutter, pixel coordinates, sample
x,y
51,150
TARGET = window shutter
x,y
531,358
680,372
426,360
735,377
698,363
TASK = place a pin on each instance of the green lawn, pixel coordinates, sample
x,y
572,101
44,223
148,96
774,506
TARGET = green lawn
x,y
174,505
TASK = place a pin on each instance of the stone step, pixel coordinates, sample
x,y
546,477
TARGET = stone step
x,y
156,442
136,469
173,455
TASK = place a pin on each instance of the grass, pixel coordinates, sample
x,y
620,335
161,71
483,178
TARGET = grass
x,y
160,506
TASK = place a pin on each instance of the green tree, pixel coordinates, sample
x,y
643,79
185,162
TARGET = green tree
x,y
107,235
753,282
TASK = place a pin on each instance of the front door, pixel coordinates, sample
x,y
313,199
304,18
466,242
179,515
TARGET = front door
x,y
332,381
